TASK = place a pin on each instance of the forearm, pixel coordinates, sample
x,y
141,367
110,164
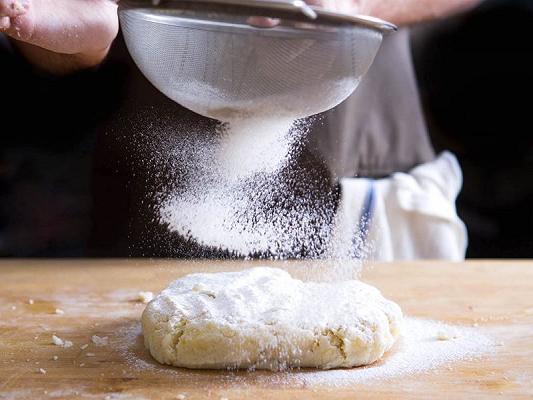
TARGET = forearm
x,y
406,12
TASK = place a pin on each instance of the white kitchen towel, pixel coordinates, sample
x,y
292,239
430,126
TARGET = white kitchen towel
x,y
407,216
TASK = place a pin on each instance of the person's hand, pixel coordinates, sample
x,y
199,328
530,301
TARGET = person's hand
x,y
341,6
399,12
403,12
60,35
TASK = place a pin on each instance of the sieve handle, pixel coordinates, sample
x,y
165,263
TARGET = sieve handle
x,y
303,7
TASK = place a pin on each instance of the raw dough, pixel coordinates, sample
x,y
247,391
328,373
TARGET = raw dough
x,y
262,318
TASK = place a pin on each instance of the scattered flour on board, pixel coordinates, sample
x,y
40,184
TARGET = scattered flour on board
x,y
419,350
100,341
145,297
60,342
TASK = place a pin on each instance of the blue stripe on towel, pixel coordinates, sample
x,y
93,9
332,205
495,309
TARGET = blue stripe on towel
x,y
366,214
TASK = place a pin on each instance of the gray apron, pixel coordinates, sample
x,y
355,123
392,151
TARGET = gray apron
x,y
380,128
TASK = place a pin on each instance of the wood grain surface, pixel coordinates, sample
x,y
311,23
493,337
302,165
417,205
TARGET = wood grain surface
x,y
99,297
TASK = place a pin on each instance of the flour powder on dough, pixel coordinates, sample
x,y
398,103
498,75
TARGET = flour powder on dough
x,y
261,318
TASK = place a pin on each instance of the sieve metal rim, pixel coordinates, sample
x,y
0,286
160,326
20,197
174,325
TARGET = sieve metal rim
x,y
293,7
317,31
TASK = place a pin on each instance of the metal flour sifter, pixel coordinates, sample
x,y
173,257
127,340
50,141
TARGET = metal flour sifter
x,y
205,55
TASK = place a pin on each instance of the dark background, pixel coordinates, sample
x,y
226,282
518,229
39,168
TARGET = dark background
x,y
476,79
66,164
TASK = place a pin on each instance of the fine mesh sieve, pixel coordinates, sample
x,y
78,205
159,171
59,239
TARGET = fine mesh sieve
x,y
208,58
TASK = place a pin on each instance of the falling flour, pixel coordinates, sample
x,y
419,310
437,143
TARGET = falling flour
x,y
254,145
237,197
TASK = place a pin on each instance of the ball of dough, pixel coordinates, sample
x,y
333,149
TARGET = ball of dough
x,y
262,318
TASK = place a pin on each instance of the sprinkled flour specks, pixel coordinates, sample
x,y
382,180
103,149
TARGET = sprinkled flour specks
x,y
418,351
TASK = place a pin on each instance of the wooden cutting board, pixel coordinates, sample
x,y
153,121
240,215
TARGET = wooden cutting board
x,y
100,298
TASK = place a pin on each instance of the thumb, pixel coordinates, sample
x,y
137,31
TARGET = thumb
x,y
4,23
13,8
12,12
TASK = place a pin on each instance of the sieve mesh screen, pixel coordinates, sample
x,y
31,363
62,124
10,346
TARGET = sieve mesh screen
x,y
225,69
